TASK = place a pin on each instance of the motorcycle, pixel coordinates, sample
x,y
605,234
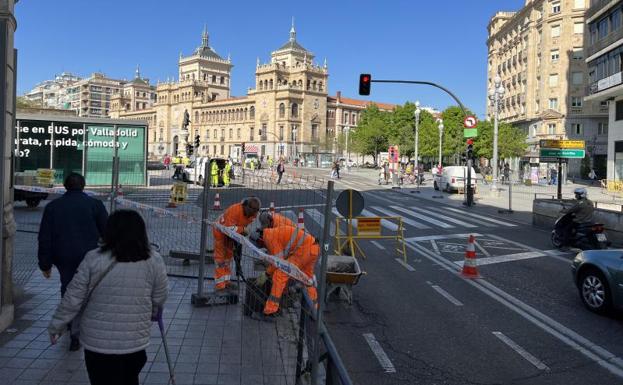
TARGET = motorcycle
x,y
586,236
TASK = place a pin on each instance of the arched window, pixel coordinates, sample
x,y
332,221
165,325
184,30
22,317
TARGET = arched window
x,y
282,110
261,85
213,78
314,85
231,133
245,114
319,86
354,119
270,84
215,133
345,120
295,110
300,84
252,112
196,116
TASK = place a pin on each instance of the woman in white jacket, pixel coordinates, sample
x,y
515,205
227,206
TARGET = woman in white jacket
x,y
118,287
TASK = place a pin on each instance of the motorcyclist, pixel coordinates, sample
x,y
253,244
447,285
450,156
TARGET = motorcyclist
x,y
582,212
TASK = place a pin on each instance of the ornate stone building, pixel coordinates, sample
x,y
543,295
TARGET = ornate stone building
x,y
284,115
539,54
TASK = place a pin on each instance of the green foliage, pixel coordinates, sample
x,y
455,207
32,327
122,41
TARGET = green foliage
x,y
22,102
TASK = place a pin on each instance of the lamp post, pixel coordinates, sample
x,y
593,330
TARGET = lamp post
x,y
440,126
294,140
417,138
347,129
495,96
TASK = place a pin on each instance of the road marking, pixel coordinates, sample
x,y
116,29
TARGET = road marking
x,y
554,254
447,295
375,243
423,217
589,349
380,354
521,351
505,258
299,206
482,249
384,222
470,214
442,236
405,220
435,247
445,217
405,265
318,217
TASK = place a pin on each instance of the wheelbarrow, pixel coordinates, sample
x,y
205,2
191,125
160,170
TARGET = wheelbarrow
x,y
343,272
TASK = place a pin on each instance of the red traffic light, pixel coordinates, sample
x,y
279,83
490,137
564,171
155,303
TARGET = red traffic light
x,y
364,84
470,141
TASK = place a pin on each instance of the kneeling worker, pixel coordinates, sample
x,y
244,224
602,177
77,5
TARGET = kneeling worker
x,y
298,248
236,216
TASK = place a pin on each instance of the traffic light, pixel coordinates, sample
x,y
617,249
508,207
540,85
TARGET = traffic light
x,y
364,84
189,149
197,141
469,153
243,147
392,153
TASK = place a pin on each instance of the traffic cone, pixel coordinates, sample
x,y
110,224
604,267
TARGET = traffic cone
x,y
272,208
301,220
470,269
120,191
217,202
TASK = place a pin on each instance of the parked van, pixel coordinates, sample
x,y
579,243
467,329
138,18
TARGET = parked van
x,y
453,178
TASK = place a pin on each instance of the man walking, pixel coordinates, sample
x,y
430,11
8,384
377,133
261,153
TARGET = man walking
x,y
71,226
281,168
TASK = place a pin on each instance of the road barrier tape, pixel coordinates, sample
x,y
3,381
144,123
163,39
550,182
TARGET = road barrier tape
x,y
55,190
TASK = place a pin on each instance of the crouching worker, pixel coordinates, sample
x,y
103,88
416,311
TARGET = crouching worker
x,y
237,217
267,220
298,248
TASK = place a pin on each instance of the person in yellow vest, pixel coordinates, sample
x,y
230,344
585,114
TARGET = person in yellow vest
x,y
252,164
214,173
226,172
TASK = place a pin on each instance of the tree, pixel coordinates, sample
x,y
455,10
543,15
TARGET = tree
x,y
22,102
371,135
511,140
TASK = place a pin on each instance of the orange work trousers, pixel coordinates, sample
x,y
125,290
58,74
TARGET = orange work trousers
x,y
280,279
223,254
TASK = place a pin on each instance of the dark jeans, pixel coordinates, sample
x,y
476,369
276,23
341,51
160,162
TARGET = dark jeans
x,y
118,369
280,175
67,273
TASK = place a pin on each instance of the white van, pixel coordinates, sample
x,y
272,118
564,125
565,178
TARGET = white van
x,y
453,178
195,170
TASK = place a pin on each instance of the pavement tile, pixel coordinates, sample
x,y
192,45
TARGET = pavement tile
x,y
29,353
228,379
9,374
206,379
8,352
252,379
19,363
33,374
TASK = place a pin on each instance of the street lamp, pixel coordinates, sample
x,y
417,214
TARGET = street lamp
x,y
347,129
294,140
440,126
417,138
496,95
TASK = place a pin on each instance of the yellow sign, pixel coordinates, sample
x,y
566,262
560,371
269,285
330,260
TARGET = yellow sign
x,y
368,226
45,177
563,144
179,192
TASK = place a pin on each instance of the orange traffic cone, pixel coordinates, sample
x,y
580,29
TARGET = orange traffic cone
x,y
217,202
272,208
301,220
470,269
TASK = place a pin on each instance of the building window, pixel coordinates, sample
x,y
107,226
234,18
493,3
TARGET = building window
x,y
553,80
553,103
222,149
252,112
251,133
222,133
578,28
576,128
231,133
555,6
602,28
215,136
295,110
263,132
214,147
280,132
282,110
314,131
555,54
238,133
576,101
618,115
555,30
577,78
551,128
578,53
602,129
615,20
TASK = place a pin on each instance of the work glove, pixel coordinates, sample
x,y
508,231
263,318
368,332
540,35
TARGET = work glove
x,y
261,279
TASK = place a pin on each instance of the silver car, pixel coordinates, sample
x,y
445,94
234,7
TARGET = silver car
x,y
598,275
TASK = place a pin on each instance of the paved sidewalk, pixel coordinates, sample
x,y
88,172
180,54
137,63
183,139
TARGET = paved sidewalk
x,y
215,345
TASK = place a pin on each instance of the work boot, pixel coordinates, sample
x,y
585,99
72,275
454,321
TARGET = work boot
x,y
74,345
231,288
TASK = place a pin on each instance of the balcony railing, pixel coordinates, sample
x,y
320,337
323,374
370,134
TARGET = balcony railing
x,y
612,37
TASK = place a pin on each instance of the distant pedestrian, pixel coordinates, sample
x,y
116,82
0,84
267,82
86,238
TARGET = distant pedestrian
x,y
167,161
554,177
592,175
71,226
337,169
281,168
119,288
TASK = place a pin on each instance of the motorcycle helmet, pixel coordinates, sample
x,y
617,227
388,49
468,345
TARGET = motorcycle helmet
x,y
580,193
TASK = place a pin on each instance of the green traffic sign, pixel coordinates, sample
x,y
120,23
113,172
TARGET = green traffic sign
x,y
470,132
561,153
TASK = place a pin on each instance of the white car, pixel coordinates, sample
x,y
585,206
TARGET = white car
x,y
350,163
453,178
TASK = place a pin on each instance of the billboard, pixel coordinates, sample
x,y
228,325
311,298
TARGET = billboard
x,y
84,146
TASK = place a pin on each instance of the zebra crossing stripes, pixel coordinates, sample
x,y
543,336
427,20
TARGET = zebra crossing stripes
x,y
318,217
481,217
408,221
423,217
444,217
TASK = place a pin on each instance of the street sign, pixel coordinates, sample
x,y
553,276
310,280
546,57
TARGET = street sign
x,y
470,132
561,153
368,226
553,160
470,122
555,143
349,203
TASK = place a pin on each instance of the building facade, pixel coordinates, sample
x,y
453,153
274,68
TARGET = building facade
x,y
288,113
604,47
538,52
53,93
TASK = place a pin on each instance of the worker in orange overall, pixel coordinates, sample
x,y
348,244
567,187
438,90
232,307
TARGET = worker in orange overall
x,y
298,248
237,217
267,220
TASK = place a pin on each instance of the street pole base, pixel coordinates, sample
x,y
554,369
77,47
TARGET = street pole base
x,y
506,211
